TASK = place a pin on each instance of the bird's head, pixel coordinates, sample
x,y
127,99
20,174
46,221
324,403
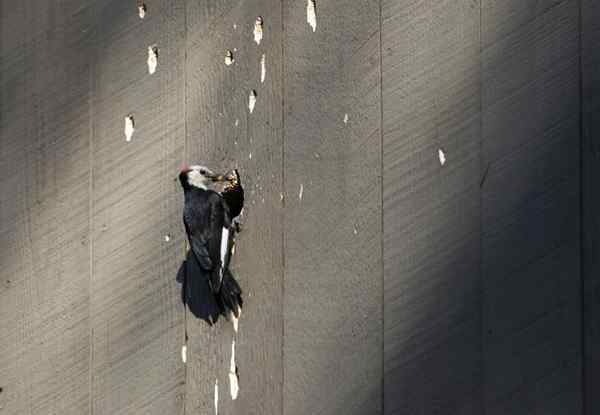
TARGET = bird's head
x,y
197,176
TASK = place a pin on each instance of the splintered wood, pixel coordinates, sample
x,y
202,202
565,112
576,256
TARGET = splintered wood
x,y
311,14
258,30
152,59
129,127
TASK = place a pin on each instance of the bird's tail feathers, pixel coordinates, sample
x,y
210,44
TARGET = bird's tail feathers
x,y
196,293
230,295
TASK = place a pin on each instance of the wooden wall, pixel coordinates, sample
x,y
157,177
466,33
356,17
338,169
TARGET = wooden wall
x,y
377,279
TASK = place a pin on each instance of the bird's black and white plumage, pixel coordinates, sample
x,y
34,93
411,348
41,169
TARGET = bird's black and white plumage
x,y
233,193
208,287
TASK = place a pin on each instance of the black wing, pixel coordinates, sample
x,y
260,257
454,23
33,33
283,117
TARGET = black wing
x,y
199,245
205,241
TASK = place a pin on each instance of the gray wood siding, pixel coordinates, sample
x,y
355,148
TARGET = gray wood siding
x,y
431,102
217,96
136,315
333,285
376,280
530,207
590,153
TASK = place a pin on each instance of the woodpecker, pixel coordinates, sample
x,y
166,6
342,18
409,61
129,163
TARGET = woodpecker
x,y
208,287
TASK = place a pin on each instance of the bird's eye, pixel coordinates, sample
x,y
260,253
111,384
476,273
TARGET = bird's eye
x,y
203,172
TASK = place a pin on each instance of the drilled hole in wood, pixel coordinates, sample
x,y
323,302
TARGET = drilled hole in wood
x,y
442,156
252,101
184,353
129,127
229,58
142,9
152,59
234,387
311,14
258,29
216,396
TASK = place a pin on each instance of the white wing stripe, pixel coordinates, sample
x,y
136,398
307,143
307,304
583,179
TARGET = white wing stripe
x,y
224,245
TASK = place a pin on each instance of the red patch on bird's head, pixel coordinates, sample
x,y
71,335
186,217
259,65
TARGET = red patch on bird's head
x,y
185,168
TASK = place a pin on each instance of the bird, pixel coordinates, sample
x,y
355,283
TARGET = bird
x,y
233,194
209,289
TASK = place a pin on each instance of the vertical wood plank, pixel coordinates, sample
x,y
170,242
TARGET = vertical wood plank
x,y
530,207
431,210
136,314
590,32
217,96
333,267
44,215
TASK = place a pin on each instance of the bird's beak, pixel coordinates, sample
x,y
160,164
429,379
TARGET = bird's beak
x,y
218,178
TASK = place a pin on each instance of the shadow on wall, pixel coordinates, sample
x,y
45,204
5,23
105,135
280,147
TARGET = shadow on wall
x,y
530,207
482,308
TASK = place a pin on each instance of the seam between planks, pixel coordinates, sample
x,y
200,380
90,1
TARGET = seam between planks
x,y
185,119
582,246
91,95
283,205
382,223
482,394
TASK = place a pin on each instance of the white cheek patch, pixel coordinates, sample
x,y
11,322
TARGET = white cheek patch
x,y
195,179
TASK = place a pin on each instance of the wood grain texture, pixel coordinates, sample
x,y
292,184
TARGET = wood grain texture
x,y
33,20
136,313
217,96
44,214
333,275
530,205
590,152
375,279
431,101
